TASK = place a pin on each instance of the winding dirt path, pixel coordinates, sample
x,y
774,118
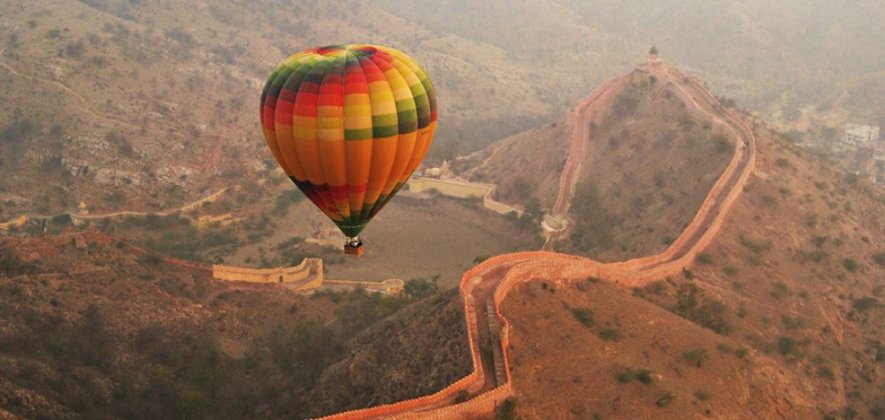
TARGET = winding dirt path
x,y
485,286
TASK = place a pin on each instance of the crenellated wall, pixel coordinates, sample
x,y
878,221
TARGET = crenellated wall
x,y
522,267
560,268
387,287
307,275
463,189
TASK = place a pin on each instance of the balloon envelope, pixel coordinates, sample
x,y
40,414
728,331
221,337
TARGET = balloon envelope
x,y
349,124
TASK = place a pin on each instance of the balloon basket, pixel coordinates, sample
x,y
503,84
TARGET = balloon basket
x,y
351,249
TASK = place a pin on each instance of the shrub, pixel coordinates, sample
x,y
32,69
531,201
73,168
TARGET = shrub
x,y
825,372
704,258
285,200
116,197
730,270
665,400
11,265
61,219
584,316
721,143
696,356
756,246
626,102
789,347
656,287
851,265
17,131
644,376
181,36
702,395
627,375
791,323
610,334
693,305
817,255
865,303
779,290
75,49
506,411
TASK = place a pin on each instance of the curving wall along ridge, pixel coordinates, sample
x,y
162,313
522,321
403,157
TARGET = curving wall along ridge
x,y
388,287
559,268
710,216
463,189
580,119
295,273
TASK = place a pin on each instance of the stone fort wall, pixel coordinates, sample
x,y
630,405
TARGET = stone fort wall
x,y
560,268
461,189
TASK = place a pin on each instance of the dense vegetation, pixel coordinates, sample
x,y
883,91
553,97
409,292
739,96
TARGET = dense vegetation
x,y
245,354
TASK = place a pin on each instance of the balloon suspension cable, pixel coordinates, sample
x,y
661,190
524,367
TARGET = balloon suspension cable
x,y
353,246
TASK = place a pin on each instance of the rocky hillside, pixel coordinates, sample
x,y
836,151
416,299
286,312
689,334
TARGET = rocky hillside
x,y
91,327
114,102
524,166
118,103
651,157
780,317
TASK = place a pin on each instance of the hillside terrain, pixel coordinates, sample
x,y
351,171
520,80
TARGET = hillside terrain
x,y
698,342
136,112
92,327
102,92
433,238
118,103
524,166
767,310
780,317
620,209
623,208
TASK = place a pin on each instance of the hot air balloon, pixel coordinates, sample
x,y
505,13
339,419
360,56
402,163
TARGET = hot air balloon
x,y
349,124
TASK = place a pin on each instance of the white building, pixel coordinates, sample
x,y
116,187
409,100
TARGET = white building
x,y
857,136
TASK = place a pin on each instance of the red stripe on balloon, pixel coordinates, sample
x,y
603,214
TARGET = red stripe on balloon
x,y
306,104
332,92
372,72
338,193
283,112
267,116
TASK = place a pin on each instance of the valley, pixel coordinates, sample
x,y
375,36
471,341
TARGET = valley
x,y
588,238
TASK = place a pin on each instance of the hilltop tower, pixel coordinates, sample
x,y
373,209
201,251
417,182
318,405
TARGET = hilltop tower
x,y
654,61
445,171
